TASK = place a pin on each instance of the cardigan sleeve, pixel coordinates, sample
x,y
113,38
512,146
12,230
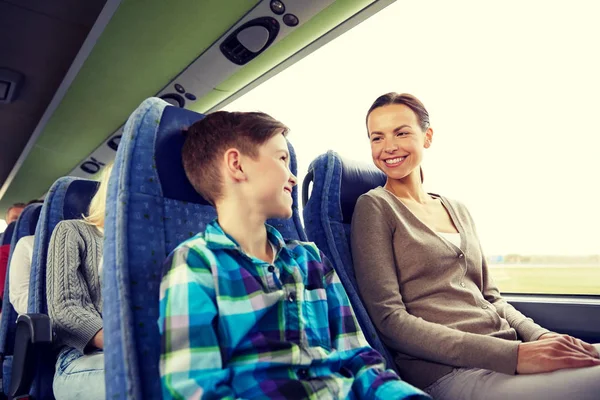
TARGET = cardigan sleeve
x,y
376,273
74,317
527,329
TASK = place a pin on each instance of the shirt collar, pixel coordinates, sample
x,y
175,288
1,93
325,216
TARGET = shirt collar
x,y
217,239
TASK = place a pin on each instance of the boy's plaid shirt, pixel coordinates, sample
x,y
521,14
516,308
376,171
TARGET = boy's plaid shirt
x,y
234,326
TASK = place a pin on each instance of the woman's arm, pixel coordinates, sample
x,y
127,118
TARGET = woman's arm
x,y
527,329
19,270
376,273
70,306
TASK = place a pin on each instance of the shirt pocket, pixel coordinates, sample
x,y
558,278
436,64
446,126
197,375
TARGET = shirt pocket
x,y
316,317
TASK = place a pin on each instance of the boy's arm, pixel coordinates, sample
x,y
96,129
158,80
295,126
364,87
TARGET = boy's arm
x,y
190,364
365,364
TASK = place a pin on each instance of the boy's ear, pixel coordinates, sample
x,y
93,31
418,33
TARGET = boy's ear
x,y
233,164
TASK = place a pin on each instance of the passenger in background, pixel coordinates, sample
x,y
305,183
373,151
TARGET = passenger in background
x,y
244,313
427,287
73,284
19,271
13,212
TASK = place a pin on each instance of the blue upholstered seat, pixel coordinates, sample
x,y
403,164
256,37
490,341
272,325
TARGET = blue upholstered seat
x,y
8,233
336,186
24,226
151,208
68,198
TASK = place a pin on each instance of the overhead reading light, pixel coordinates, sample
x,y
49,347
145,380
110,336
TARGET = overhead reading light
x,y
10,82
250,39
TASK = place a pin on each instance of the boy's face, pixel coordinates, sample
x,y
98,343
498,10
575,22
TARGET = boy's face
x,y
270,180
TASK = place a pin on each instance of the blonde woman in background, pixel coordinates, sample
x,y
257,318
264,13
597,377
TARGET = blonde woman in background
x,y
73,283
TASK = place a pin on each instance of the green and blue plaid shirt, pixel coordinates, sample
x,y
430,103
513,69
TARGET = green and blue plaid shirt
x,y
234,326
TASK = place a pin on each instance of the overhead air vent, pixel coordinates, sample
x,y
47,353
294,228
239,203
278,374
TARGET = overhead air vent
x,y
250,39
10,81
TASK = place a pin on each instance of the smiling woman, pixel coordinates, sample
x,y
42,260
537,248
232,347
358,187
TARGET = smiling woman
x,y
504,105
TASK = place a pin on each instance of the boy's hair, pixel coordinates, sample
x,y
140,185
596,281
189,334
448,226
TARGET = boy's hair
x,y
208,139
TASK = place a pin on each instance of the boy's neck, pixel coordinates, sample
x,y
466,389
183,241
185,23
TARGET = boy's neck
x,y
247,229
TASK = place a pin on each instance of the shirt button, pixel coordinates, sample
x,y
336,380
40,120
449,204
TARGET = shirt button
x,y
484,306
292,297
461,255
462,284
271,268
302,373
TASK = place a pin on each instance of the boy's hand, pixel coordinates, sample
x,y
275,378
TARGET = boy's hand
x,y
552,352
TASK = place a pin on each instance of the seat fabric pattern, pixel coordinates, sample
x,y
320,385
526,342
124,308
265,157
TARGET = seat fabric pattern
x,y
68,198
336,186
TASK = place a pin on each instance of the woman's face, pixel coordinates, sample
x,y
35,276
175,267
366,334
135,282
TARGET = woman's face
x,y
397,140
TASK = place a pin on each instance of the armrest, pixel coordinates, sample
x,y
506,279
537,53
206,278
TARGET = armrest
x,y
33,337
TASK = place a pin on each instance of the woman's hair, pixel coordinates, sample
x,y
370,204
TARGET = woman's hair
x,y
406,99
97,209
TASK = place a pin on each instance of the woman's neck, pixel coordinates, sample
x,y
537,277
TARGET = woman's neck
x,y
409,188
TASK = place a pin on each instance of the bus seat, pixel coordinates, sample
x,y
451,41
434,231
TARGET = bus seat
x,y
24,226
336,186
8,233
151,208
5,252
68,198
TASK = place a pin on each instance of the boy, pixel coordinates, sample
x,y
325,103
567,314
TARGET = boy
x,y
243,313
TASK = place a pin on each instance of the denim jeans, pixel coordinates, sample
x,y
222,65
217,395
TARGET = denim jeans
x,y
475,384
79,376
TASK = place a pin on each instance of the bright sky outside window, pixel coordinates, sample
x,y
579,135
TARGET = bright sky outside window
x,y
512,89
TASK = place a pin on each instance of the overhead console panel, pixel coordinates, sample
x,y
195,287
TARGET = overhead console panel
x,y
269,22
266,24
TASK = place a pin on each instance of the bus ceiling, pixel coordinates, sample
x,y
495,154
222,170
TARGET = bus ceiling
x,y
196,55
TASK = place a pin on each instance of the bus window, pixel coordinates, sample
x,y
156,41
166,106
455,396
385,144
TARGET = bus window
x,y
511,89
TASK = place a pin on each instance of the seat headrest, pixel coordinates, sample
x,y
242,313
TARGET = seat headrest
x,y
77,198
169,137
169,142
8,232
357,179
27,222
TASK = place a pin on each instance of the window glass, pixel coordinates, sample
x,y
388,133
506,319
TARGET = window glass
x,y
512,89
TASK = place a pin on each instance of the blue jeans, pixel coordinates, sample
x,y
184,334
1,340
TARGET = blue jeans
x,y
79,376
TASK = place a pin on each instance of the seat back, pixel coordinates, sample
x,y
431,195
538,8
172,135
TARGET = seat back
x,y
68,198
8,233
336,186
24,226
151,208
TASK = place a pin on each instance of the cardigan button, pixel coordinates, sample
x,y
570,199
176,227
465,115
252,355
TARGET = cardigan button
x,y
460,255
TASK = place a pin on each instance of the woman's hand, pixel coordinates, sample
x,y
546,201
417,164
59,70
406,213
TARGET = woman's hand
x,y
552,352
586,347
98,340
